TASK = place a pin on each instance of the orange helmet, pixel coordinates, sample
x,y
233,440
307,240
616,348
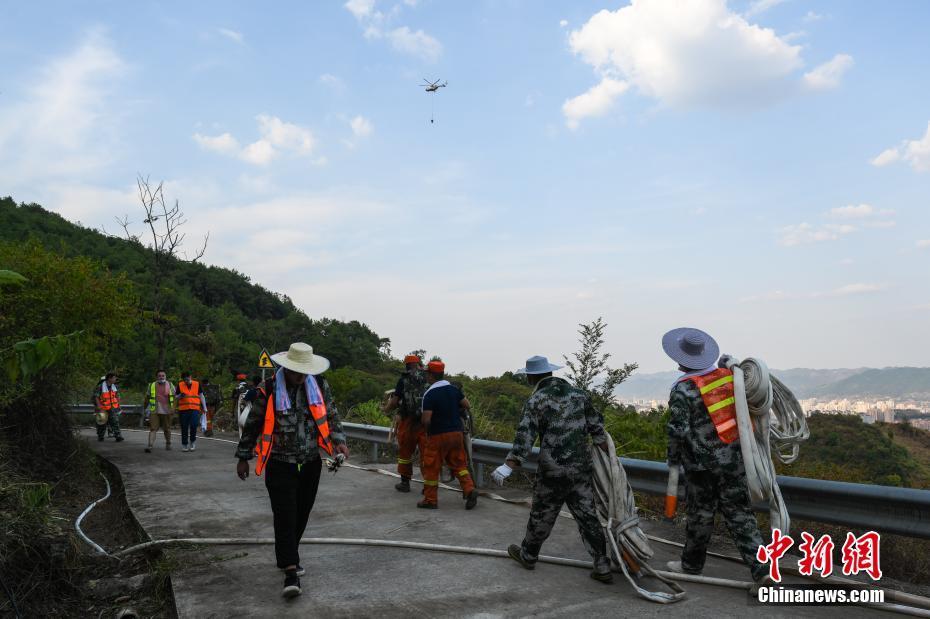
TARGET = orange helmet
x,y
436,366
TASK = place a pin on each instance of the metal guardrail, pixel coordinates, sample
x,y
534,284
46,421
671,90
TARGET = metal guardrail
x,y
887,509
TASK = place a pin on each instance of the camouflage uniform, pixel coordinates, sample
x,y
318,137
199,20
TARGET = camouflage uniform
x,y
715,478
292,476
563,417
294,434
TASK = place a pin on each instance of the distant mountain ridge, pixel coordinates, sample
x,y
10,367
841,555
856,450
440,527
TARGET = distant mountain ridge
x,y
892,382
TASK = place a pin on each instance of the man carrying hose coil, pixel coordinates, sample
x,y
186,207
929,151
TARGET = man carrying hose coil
x,y
703,438
566,422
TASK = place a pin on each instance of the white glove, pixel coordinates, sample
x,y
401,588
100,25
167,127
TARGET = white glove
x,y
501,473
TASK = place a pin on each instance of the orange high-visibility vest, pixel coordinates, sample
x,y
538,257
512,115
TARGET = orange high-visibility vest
x,y
266,439
717,392
109,399
189,398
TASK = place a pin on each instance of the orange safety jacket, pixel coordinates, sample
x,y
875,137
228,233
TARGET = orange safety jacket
x,y
109,399
266,439
189,398
717,392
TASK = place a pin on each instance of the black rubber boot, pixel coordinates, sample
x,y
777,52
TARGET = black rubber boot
x,y
403,485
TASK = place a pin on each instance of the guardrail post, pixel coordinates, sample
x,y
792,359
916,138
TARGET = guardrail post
x,y
479,474
374,452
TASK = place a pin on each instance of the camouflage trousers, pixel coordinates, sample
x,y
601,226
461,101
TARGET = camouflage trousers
x,y
111,422
706,493
549,494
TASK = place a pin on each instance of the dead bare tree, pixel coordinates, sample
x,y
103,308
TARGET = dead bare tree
x,y
165,222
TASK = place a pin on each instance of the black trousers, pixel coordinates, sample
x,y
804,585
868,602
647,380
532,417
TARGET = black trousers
x,y
292,492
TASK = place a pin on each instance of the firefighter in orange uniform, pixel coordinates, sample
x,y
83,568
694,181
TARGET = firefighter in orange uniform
x,y
407,399
445,441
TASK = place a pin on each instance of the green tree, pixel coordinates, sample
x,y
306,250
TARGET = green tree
x,y
589,369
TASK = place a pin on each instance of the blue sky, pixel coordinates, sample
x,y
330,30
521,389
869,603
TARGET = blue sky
x,y
757,169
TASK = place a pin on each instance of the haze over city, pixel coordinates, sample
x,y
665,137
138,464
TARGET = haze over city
x,y
766,181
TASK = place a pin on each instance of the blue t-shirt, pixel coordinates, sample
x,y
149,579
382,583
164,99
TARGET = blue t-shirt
x,y
444,402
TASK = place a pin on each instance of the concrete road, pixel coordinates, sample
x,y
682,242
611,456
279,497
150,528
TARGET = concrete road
x,y
176,494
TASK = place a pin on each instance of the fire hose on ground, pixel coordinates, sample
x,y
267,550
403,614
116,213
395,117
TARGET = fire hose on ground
x,y
920,608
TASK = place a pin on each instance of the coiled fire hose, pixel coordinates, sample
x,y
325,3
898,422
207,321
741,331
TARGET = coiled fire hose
x,y
767,414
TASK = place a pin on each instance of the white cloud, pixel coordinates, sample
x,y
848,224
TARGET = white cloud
x,y
277,138
416,43
224,143
563,23
828,75
860,211
596,102
923,244
377,25
361,127
915,152
332,81
66,124
361,9
811,17
232,35
849,289
805,233
887,156
761,6
693,53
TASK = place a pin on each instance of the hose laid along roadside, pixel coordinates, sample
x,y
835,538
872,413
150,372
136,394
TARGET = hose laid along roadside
x,y
924,603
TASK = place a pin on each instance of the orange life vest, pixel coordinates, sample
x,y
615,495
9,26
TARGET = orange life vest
x,y
266,438
189,399
717,392
109,399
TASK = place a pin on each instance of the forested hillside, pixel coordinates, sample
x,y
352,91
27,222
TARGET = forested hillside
x,y
219,319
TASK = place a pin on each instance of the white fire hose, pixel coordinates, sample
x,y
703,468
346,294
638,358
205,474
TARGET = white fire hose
x,y
767,413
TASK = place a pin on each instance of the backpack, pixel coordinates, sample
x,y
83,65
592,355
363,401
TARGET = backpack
x,y
414,387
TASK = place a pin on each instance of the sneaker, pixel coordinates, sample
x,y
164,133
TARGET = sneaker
x,y
185,448
120,439
471,500
601,576
427,505
516,553
148,450
300,570
678,568
291,584
403,485
193,446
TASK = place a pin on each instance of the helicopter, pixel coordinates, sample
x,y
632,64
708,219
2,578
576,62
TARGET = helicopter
x,y
433,86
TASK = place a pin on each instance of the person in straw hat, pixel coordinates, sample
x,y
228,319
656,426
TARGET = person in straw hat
x,y
703,438
293,416
564,418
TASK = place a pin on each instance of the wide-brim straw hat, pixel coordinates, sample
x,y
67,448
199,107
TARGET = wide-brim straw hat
x,y
691,348
300,358
538,365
